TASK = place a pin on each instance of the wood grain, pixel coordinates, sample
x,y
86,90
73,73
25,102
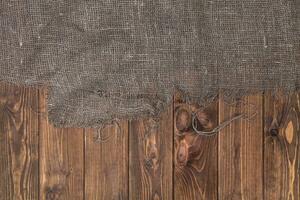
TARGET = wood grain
x,y
18,143
150,158
106,163
196,157
241,150
61,159
281,147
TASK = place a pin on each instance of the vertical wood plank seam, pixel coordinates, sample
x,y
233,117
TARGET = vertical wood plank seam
x,y
128,161
263,143
84,161
128,157
262,119
217,142
173,149
39,138
218,162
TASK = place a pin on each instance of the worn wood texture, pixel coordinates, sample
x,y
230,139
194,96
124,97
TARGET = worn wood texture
x,y
18,143
61,159
281,147
255,158
196,157
241,150
150,158
106,163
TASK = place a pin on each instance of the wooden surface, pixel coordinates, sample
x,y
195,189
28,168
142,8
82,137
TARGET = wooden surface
x,y
241,150
196,157
151,158
254,157
61,159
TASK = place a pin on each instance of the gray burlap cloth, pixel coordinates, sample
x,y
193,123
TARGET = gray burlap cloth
x,y
107,59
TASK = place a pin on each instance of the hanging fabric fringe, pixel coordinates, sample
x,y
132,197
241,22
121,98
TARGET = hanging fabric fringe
x,y
114,59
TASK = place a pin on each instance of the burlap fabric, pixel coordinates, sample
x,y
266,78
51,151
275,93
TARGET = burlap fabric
x,y
107,59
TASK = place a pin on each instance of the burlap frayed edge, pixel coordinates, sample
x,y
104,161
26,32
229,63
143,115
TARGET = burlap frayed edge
x,y
229,96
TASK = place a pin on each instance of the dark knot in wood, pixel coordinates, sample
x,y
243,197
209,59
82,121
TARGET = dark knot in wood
x,y
183,119
204,120
274,132
182,153
54,193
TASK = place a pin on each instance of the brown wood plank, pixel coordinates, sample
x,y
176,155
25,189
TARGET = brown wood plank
x,y
282,148
106,164
196,157
18,143
61,159
241,150
151,158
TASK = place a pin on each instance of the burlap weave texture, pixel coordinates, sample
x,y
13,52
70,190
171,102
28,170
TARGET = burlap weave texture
x,y
107,59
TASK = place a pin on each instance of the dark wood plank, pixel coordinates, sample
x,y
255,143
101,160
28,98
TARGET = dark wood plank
x,y
18,143
196,157
150,158
106,163
61,159
241,150
282,148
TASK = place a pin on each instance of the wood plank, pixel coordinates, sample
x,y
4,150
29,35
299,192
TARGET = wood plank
x,y
18,143
241,150
282,148
106,163
61,159
151,158
196,156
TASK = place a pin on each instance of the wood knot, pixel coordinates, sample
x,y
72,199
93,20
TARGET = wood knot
x,y
156,197
152,157
274,132
289,132
183,119
204,121
53,193
182,153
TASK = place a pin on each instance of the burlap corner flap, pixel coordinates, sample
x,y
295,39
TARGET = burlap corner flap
x,y
114,59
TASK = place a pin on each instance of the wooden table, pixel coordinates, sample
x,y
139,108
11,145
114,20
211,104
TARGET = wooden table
x,y
152,159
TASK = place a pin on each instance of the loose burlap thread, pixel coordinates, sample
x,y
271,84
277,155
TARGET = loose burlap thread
x,y
108,59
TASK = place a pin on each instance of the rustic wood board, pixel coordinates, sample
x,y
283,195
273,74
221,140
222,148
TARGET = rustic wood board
x,y
241,150
106,163
281,147
150,158
19,178
196,157
61,159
